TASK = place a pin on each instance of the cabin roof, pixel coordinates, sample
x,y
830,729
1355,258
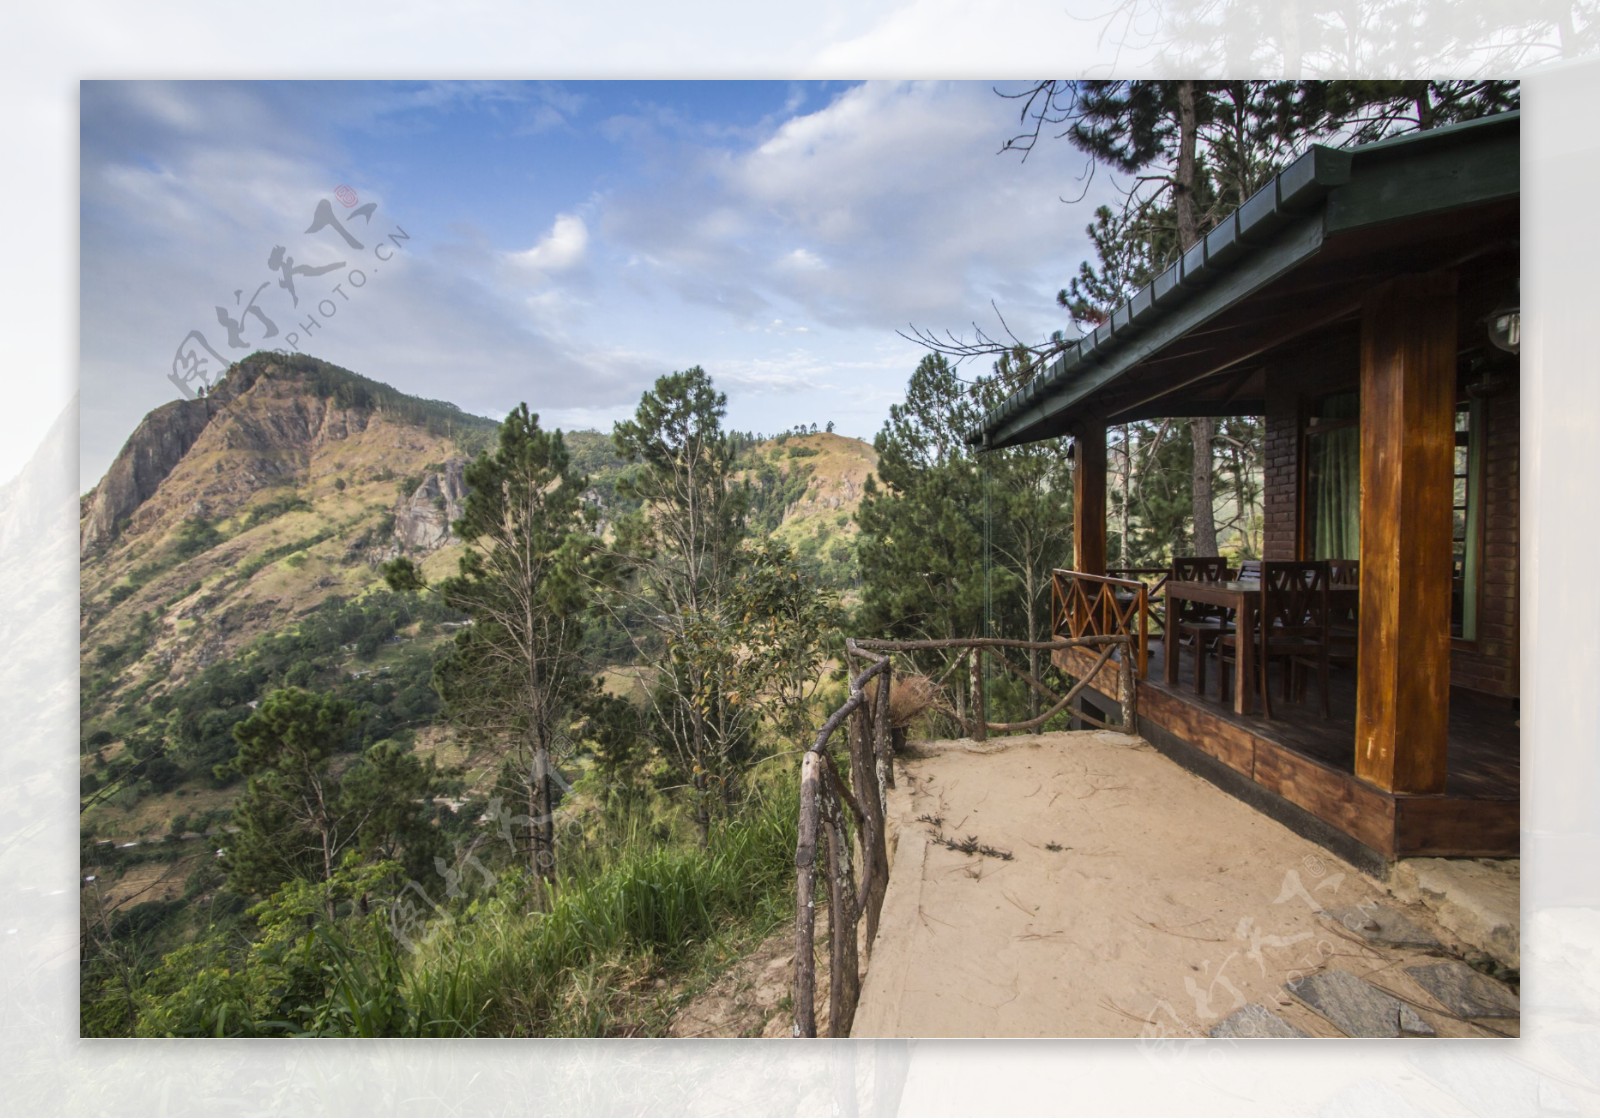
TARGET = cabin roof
x,y
1296,258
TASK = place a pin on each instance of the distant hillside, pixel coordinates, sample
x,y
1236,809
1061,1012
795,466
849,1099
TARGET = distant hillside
x,y
238,515
806,492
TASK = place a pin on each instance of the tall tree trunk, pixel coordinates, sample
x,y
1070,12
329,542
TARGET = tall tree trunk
x,y
702,763
324,824
541,807
702,808
1241,488
1127,495
1183,186
1032,591
1205,526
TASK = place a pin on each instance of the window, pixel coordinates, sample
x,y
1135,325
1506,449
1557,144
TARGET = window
x,y
1332,525
1466,521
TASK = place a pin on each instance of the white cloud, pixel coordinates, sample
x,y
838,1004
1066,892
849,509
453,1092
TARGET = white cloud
x,y
884,206
802,260
558,250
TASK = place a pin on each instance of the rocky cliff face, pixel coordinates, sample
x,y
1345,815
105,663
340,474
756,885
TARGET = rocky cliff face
x,y
261,427
422,523
157,445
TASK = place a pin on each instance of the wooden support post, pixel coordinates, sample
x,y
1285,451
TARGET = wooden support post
x,y
1408,380
1089,497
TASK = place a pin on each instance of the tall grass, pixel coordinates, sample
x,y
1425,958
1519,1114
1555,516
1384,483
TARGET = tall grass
x,y
504,970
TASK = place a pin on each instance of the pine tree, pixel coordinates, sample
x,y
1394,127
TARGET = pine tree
x,y
921,549
516,675
681,554
955,543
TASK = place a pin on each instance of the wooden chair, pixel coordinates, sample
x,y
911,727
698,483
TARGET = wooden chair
x,y
1292,628
1343,630
1248,569
1203,625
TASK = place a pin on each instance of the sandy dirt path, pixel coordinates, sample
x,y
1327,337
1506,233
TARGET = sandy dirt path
x,y
1139,901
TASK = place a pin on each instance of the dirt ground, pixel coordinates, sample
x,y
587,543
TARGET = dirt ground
x,y
751,1000
1137,901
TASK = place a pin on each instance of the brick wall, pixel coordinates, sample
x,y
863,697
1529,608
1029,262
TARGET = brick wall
x,y
1297,378
1281,476
1492,665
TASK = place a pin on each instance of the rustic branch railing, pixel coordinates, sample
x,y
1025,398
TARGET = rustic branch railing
x,y
1100,606
841,814
824,800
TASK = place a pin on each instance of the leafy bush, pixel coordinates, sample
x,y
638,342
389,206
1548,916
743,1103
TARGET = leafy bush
x,y
307,975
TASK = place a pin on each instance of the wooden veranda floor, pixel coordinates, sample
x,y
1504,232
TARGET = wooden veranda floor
x,y
1301,758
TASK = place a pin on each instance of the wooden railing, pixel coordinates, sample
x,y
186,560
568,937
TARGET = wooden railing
x,y
824,798
1153,578
846,817
1101,606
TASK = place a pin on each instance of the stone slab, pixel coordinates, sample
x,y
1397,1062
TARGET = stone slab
x,y
1464,992
1254,1020
1477,901
1385,926
1357,1007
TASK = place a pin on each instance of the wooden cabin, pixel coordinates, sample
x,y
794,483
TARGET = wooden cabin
x,y
1365,304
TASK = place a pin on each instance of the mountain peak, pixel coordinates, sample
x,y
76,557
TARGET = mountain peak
x,y
262,421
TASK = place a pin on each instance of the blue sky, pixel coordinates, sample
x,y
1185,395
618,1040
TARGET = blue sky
x,y
563,243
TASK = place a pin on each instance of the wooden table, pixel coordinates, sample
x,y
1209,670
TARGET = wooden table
x,y
1243,597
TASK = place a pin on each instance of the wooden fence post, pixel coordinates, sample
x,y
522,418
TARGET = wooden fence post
x,y
805,913
1130,692
980,710
844,980
883,746
864,777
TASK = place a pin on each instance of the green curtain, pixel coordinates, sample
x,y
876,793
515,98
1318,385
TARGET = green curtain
x,y
1334,493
